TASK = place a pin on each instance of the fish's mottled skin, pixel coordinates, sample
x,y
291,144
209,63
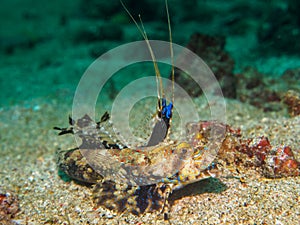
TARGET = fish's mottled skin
x,y
117,182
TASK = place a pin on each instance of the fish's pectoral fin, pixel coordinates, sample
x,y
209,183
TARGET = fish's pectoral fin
x,y
64,130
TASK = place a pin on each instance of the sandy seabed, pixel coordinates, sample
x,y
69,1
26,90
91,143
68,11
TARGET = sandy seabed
x,y
28,168
53,67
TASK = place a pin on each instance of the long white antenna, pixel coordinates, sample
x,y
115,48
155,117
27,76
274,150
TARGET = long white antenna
x,y
171,51
160,91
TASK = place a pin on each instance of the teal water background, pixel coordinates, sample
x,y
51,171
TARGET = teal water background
x,y
45,50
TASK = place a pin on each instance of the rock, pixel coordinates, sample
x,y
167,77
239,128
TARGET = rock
x,y
255,89
211,50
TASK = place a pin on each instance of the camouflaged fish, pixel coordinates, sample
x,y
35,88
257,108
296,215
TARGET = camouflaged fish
x,y
119,189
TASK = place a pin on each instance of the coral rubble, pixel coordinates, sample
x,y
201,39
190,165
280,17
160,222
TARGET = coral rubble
x,y
9,206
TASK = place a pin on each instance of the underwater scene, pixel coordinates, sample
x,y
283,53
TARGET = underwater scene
x,y
150,112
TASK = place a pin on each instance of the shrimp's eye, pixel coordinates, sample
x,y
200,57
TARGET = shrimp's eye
x,y
169,110
166,109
